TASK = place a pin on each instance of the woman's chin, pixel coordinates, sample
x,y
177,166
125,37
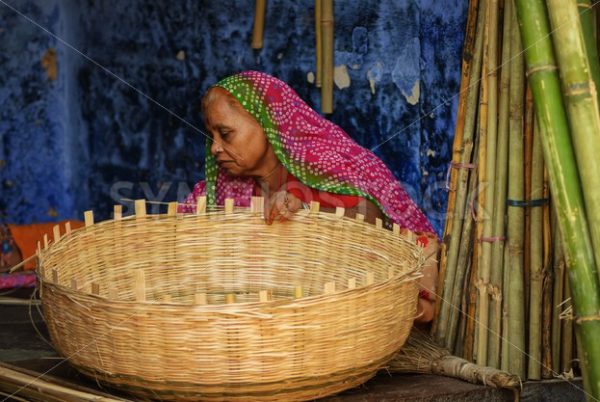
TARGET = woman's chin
x,y
230,170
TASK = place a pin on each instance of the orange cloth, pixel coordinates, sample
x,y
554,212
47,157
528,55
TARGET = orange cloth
x,y
27,236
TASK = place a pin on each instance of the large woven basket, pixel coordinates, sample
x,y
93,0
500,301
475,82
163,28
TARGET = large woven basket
x,y
219,306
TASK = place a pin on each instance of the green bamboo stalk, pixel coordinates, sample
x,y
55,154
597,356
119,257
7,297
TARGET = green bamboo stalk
x,y
327,56
581,105
558,263
588,24
514,294
488,189
534,368
442,322
564,183
500,197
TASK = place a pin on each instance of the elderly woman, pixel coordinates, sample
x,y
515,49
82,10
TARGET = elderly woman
x,y
264,140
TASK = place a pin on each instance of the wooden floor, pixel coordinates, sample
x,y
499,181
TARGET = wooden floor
x,y
21,346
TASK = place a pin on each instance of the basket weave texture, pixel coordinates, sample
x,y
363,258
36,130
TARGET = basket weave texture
x,y
220,306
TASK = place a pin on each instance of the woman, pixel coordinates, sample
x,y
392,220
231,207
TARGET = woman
x,y
264,140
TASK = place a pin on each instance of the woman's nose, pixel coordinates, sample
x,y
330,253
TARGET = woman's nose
x,y
215,147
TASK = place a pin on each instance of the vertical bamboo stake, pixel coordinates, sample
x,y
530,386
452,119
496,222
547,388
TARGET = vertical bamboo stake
x,y
500,196
263,296
140,209
327,49
201,205
95,288
229,205
118,212
318,45
56,233
172,208
514,295
200,299
259,24
536,262
140,285
88,217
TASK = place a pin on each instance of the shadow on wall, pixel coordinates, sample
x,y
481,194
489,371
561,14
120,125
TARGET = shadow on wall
x,y
79,133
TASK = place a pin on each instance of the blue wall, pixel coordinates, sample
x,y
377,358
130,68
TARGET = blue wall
x,y
93,136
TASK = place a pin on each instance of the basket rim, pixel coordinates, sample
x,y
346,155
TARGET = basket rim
x,y
410,275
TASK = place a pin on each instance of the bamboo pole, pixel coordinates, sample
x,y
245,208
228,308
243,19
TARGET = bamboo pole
x,y
588,25
318,45
464,255
461,187
528,148
259,24
30,384
581,103
457,146
500,197
327,49
564,182
558,266
489,149
548,281
536,250
566,356
514,294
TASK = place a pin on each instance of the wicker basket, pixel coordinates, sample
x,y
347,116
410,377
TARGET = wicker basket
x,y
220,306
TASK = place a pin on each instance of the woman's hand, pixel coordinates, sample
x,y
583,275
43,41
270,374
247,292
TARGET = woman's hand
x,y
428,282
281,206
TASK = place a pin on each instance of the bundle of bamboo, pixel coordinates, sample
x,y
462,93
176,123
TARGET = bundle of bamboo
x,y
504,263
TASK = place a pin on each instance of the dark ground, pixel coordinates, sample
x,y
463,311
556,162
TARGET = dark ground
x,y
21,346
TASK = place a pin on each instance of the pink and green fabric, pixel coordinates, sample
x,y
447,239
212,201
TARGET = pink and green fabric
x,y
314,150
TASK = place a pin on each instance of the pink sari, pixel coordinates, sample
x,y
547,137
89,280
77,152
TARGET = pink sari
x,y
314,150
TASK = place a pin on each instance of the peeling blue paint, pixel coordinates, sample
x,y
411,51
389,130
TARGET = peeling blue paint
x,y
69,144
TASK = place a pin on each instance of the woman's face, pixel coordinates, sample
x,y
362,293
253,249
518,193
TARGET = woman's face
x,y
239,143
